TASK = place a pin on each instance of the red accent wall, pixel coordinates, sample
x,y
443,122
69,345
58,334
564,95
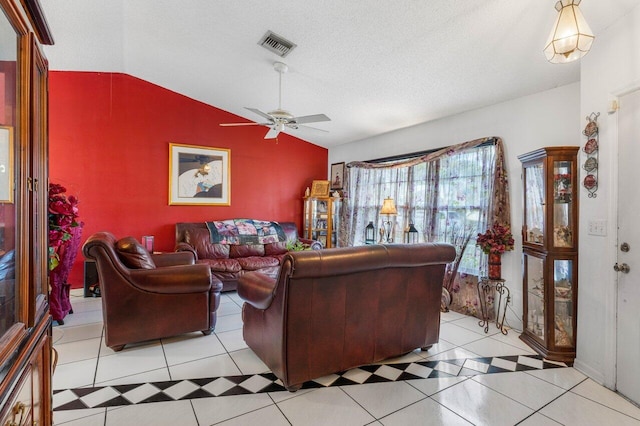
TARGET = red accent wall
x,y
109,138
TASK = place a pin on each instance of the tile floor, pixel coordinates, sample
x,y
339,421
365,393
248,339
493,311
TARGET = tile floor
x,y
468,378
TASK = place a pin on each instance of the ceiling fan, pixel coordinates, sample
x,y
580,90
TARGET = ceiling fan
x,y
279,118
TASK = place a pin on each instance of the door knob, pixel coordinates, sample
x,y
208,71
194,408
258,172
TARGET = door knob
x,y
621,268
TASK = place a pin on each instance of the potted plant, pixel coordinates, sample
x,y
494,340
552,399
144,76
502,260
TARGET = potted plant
x,y
495,241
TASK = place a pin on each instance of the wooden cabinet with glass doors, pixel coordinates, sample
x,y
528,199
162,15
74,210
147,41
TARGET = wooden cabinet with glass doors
x,y
321,220
550,251
25,323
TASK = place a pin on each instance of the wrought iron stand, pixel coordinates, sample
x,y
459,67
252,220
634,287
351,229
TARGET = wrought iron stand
x,y
486,287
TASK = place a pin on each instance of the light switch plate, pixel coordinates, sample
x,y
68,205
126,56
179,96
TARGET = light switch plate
x,y
598,227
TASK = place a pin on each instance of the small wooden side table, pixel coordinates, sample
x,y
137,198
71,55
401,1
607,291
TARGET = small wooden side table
x,y
488,287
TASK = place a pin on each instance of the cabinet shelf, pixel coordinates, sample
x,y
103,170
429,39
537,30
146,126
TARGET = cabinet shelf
x,y
323,211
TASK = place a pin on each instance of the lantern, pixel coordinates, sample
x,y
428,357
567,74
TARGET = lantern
x,y
411,235
370,234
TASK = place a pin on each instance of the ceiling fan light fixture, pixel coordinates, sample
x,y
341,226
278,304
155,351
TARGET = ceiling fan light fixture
x,y
570,37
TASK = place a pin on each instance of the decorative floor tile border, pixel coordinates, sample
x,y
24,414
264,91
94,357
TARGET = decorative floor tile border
x,y
177,390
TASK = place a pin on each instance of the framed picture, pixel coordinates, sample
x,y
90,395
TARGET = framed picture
x,y
320,188
199,175
337,175
323,240
6,164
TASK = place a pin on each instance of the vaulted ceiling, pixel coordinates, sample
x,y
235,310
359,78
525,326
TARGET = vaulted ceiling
x,y
372,66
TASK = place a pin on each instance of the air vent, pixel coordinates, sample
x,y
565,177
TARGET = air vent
x,y
276,44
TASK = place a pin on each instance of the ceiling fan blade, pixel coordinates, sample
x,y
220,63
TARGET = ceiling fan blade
x,y
260,113
272,133
314,128
244,124
311,118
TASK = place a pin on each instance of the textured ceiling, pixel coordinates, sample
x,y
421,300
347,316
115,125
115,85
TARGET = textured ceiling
x,y
372,66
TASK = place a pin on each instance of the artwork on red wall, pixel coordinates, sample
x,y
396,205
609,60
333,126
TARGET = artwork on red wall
x,y
199,175
6,164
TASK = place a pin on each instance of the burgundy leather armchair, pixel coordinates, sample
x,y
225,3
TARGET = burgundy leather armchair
x,y
332,310
150,296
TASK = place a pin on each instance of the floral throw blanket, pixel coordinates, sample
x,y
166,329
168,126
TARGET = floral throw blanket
x,y
245,231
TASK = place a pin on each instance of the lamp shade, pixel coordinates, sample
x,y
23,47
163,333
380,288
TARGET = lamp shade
x,y
570,37
388,207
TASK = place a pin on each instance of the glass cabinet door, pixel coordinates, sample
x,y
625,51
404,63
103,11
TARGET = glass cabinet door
x,y
534,205
563,204
563,302
9,235
535,296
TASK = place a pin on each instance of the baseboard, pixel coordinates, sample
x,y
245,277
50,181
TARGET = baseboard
x,y
590,372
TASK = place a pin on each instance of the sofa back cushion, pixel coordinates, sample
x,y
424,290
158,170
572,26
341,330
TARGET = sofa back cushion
x,y
246,250
133,255
200,240
274,249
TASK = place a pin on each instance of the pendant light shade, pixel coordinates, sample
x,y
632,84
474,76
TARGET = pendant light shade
x,y
570,37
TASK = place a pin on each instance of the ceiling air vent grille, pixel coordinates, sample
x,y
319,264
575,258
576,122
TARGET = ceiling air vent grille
x,y
276,44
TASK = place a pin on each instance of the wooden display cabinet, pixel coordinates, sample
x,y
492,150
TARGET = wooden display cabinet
x,y
322,220
25,323
550,251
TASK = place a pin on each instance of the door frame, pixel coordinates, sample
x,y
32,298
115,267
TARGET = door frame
x,y
611,301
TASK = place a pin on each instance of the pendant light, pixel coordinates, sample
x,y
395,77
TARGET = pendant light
x,y
570,37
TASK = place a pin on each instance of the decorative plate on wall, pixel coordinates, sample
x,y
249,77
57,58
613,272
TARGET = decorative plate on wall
x,y
591,164
591,146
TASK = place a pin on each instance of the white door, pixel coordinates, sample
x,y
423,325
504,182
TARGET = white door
x,y
628,327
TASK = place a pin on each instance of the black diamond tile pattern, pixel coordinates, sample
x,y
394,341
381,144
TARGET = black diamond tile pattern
x,y
75,399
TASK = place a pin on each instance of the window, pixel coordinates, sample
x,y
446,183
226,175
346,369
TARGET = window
x,y
447,196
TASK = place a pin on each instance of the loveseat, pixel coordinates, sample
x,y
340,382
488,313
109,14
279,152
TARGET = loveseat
x,y
332,310
228,262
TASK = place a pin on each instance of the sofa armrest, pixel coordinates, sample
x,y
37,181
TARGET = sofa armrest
x,y
256,289
186,247
173,259
173,279
315,245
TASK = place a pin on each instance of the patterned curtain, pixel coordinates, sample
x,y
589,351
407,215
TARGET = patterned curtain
x,y
454,191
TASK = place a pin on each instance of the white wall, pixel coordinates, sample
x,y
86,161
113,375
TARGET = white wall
x,y
611,68
548,118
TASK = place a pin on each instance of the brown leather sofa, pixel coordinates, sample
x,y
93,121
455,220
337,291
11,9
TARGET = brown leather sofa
x,y
230,262
150,296
332,310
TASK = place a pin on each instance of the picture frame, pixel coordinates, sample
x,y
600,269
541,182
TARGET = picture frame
x,y
323,240
337,175
199,175
6,164
320,188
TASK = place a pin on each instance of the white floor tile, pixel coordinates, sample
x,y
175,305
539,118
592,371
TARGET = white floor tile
x,y
537,419
88,417
158,414
229,322
424,412
214,366
232,340
75,374
566,378
593,391
159,375
381,399
329,406
477,404
78,351
76,333
458,335
491,347
190,347
432,386
450,316
248,362
228,307
471,324
513,339
268,416
81,304
524,388
80,318
412,356
130,361
214,410
441,346
576,410
457,353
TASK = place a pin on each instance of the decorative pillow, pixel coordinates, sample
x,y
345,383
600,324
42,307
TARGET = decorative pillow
x,y
133,254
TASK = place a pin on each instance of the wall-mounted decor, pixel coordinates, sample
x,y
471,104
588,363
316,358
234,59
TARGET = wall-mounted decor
x,y
6,164
337,175
199,175
590,181
320,188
